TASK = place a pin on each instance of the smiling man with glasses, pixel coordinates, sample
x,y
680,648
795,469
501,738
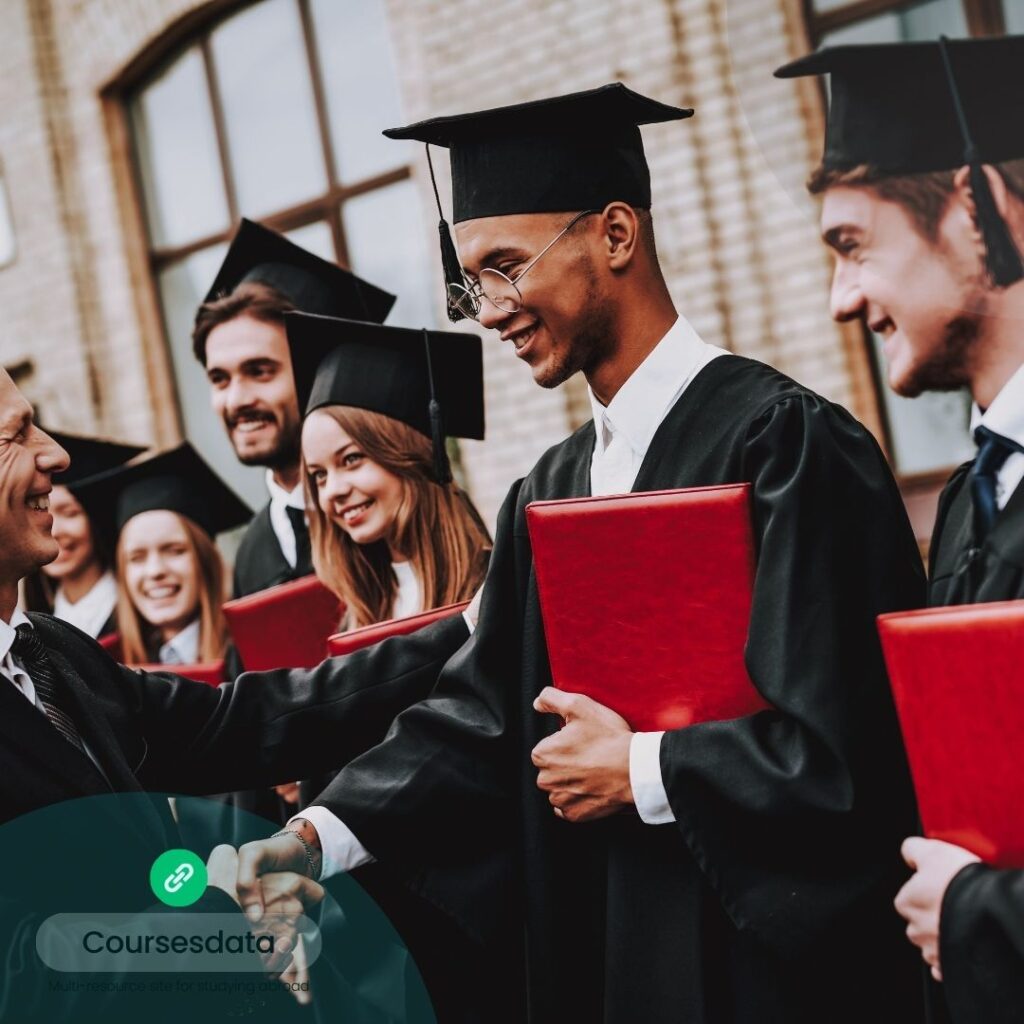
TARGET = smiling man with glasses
x,y
725,872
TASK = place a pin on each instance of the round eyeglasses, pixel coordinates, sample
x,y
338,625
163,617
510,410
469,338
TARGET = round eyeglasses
x,y
500,290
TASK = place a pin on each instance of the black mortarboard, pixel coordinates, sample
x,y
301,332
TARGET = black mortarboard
x,y
910,108
556,155
312,284
177,480
432,380
90,456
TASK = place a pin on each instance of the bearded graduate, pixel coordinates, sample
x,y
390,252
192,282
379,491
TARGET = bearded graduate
x,y
924,176
729,871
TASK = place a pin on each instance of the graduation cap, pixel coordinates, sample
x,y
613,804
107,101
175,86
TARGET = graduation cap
x,y
309,282
431,380
90,456
575,152
178,480
911,108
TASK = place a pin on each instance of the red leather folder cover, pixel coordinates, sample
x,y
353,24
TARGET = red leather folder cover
x,y
366,636
957,677
211,672
646,601
284,626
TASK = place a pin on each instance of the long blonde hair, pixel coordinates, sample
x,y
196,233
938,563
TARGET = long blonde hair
x,y
139,643
447,545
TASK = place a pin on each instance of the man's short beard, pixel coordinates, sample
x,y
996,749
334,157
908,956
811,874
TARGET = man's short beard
x,y
948,369
284,455
592,339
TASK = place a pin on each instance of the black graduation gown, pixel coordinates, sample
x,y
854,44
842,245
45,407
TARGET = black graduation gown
x,y
981,937
770,899
963,572
260,562
982,927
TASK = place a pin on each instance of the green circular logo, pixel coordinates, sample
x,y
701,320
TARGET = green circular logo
x,y
178,878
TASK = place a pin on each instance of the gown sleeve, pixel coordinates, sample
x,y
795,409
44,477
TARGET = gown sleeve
x,y
795,814
440,784
981,938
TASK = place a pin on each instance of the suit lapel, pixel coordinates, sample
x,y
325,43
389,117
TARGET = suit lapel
x,y
26,729
95,729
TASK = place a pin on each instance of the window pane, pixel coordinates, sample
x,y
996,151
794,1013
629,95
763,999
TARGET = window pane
x,y
262,73
354,48
182,287
924,21
177,148
316,238
1013,12
387,245
8,247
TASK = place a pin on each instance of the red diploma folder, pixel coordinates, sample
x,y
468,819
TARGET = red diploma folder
x,y
366,636
211,672
646,601
957,677
286,626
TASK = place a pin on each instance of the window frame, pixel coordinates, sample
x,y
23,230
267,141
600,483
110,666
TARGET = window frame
x,y
984,17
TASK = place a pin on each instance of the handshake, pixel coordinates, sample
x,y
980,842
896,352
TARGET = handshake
x,y
272,881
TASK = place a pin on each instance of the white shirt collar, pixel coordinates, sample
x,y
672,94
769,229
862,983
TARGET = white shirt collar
x,y
641,403
185,646
285,499
90,612
7,632
1005,416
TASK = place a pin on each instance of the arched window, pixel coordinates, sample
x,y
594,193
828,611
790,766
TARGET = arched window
x,y
274,113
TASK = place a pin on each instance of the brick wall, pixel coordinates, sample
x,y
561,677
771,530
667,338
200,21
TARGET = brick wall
x,y
736,236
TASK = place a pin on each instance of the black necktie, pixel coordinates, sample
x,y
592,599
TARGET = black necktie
x,y
31,652
993,451
303,555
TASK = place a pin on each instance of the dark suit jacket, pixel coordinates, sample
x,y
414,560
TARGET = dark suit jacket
x,y
260,562
166,734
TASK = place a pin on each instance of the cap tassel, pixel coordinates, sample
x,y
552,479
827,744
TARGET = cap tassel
x,y
450,264
442,467
1002,257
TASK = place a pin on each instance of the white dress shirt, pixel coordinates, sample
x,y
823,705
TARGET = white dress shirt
x,y
280,499
90,612
1005,416
409,599
624,431
182,648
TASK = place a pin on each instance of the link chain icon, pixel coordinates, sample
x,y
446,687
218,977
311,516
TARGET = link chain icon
x,y
178,878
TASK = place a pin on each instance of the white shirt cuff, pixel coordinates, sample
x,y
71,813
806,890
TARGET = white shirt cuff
x,y
645,778
341,850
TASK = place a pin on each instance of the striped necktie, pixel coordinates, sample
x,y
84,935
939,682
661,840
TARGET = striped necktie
x,y
31,652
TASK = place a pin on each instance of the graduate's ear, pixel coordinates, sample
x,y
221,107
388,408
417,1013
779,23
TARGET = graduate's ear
x,y
1000,196
621,235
